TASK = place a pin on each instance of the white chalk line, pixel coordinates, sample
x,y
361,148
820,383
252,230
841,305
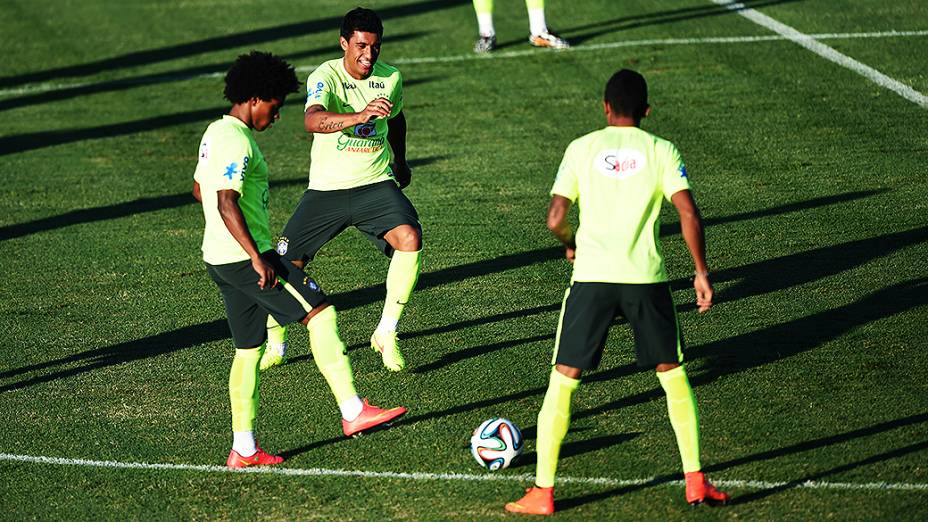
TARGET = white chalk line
x,y
811,43
45,87
456,477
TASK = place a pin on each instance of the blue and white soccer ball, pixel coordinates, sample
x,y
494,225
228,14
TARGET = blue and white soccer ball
x,y
496,443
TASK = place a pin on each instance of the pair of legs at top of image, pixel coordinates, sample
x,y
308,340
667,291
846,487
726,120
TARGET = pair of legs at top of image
x,y
539,35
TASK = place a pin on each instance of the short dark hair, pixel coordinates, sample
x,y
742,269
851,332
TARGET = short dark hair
x,y
260,75
361,19
627,94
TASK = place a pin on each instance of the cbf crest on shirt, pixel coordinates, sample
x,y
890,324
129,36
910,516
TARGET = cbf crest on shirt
x,y
357,155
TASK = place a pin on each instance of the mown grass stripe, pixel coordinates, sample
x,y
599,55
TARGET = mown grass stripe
x,y
45,87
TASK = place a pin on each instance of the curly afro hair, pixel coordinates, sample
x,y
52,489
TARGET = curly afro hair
x,y
260,75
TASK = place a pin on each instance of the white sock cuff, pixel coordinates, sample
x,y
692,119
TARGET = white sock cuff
x,y
351,408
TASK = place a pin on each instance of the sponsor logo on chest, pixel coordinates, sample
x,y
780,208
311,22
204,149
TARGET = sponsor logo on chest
x,y
619,163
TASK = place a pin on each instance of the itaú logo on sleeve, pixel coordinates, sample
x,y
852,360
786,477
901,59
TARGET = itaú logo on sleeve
x,y
620,163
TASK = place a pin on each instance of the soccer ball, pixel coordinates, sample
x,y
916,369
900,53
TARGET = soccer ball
x,y
496,443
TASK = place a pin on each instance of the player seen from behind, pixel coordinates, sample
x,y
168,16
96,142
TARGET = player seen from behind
x,y
618,176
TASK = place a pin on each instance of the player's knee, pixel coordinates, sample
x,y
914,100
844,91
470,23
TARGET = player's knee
x,y
666,367
299,263
405,238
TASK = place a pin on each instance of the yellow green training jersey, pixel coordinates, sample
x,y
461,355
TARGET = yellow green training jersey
x,y
230,160
619,176
357,155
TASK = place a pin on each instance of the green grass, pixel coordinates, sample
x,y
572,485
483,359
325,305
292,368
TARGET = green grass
x,y
811,180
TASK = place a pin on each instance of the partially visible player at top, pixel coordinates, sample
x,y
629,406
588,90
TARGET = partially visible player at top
x,y
231,181
619,177
539,35
354,109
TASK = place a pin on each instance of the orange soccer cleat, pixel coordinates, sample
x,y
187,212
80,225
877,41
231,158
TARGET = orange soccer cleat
x,y
537,501
699,490
370,417
260,458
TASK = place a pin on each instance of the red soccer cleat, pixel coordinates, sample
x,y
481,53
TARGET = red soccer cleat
x,y
260,458
699,490
370,417
537,501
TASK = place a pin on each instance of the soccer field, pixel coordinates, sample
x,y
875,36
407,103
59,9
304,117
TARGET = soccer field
x,y
804,125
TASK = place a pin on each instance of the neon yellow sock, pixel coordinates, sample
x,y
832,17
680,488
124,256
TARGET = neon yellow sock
x,y
483,6
553,420
684,415
330,354
401,279
244,379
535,4
276,334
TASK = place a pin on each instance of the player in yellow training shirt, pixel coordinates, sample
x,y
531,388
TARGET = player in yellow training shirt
x,y
231,181
354,109
619,177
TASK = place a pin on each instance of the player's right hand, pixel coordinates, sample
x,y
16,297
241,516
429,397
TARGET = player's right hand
x,y
704,292
266,276
377,108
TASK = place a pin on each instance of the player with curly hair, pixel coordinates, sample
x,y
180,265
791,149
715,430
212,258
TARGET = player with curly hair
x,y
231,181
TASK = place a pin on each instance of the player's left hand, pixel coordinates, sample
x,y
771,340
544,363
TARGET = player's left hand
x,y
704,292
402,173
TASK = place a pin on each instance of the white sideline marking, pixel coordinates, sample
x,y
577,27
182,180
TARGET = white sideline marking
x,y
461,477
810,43
45,87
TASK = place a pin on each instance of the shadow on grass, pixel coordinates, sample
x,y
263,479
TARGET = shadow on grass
x,y
772,275
796,448
572,449
221,43
39,140
140,206
892,454
187,73
581,33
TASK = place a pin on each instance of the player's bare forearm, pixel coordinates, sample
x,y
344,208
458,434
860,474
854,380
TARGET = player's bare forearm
x,y
317,119
235,221
691,227
559,226
196,192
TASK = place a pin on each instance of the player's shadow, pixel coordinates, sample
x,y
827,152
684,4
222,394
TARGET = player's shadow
x,y
186,73
581,33
140,206
748,281
739,353
240,39
768,455
572,449
869,461
17,143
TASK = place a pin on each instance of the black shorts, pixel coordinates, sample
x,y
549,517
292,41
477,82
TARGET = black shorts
x,y
247,306
323,214
589,309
